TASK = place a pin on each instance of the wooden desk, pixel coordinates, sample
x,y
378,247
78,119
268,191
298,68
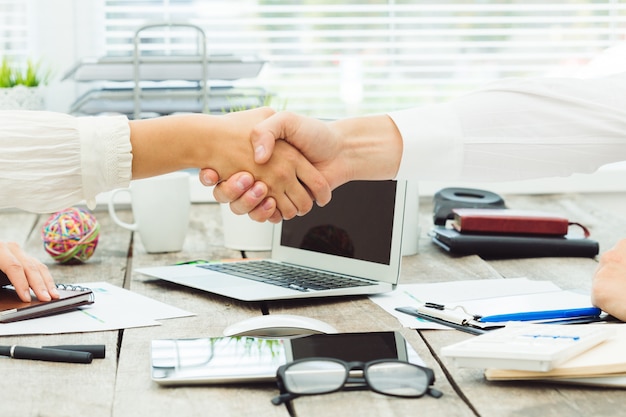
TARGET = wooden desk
x,y
120,385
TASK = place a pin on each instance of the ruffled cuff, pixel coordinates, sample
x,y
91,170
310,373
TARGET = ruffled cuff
x,y
106,157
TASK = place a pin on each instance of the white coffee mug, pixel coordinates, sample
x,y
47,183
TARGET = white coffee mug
x,y
160,207
243,233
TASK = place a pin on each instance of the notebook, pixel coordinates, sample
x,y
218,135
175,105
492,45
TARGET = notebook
x,y
70,297
354,242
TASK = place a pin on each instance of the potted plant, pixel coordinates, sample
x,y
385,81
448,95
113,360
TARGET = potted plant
x,y
21,86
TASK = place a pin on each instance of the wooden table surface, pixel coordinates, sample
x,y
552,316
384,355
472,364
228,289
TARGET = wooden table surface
x,y
120,384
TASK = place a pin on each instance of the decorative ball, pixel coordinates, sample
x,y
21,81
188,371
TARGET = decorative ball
x,y
71,235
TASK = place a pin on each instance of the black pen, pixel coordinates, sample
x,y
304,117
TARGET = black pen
x,y
414,312
46,354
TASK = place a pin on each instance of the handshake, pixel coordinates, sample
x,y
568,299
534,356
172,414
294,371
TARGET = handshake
x,y
299,160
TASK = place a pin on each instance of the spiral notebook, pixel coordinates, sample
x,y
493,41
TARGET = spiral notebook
x,y
13,309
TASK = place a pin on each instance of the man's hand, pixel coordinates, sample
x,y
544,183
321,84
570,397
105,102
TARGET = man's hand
x,y
312,137
609,282
289,179
365,148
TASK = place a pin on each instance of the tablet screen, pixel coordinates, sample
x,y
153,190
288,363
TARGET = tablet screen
x,y
349,347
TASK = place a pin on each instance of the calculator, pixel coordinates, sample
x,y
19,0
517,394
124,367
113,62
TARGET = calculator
x,y
526,347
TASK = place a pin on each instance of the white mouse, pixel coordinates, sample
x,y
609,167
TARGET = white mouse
x,y
278,325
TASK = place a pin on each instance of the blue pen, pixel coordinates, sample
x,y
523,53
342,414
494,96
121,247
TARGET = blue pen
x,y
543,315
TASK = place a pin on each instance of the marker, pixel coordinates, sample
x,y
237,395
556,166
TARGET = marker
x,y
543,315
46,354
98,351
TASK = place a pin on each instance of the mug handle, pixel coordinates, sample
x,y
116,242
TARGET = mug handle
x,y
130,226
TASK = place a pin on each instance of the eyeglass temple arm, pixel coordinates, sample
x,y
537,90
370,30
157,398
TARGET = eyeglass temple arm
x,y
284,398
434,392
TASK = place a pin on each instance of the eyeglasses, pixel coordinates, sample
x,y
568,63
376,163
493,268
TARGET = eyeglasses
x,y
313,376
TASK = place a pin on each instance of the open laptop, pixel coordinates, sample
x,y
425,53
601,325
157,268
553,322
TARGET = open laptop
x,y
351,246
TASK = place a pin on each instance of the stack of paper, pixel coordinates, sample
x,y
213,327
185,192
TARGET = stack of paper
x,y
603,365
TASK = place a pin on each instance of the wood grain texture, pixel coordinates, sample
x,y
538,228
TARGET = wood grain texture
x,y
120,385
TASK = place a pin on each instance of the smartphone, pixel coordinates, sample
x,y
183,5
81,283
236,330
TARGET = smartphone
x,y
225,360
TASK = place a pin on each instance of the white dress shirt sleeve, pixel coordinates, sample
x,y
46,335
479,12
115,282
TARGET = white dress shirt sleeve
x,y
51,161
517,129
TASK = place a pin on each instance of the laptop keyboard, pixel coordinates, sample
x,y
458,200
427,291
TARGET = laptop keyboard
x,y
287,276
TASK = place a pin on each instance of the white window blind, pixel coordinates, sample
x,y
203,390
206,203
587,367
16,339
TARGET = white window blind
x,y
333,58
14,39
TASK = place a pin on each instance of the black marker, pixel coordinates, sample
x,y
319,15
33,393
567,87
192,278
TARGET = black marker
x,y
98,351
46,354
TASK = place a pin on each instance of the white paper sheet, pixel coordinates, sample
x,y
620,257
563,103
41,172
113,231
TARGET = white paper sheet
x,y
486,295
114,308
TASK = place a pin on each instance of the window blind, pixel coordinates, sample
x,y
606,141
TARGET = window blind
x,y
14,41
335,58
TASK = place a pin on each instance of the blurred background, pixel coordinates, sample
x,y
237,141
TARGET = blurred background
x,y
324,58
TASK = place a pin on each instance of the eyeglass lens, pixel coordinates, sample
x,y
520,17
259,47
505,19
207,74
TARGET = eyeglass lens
x,y
314,377
395,378
322,376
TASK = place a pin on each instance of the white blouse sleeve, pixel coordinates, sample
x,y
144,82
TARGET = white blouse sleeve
x,y
517,129
50,161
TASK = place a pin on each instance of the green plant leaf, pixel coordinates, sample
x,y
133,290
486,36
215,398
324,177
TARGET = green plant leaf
x,y
31,76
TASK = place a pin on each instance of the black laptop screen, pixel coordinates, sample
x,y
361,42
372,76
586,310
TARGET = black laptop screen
x,y
357,223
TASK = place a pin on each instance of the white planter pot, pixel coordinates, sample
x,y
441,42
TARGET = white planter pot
x,y
22,98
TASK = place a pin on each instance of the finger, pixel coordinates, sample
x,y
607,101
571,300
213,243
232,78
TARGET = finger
x,y
250,199
276,218
44,272
264,211
234,187
287,208
265,134
208,177
316,184
37,274
300,198
14,271
35,280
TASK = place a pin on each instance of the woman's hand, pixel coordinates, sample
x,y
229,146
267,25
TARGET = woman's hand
x,y
25,273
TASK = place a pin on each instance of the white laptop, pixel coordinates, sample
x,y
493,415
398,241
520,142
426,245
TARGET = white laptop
x,y
352,246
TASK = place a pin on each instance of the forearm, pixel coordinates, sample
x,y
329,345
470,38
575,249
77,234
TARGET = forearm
x,y
174,143
370,147
517,129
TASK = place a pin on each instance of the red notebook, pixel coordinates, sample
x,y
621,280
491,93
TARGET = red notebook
x,y
508,221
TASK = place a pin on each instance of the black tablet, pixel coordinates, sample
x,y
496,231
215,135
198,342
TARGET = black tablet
x,y
224,360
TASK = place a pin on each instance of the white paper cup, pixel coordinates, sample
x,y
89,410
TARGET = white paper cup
x,y
243,233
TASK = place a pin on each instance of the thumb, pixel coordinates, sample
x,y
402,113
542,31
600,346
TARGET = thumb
x,y
264,135
208,177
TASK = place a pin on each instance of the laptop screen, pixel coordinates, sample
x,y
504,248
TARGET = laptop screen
x,y
344,228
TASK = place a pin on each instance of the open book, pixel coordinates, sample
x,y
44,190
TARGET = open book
x,y
14,309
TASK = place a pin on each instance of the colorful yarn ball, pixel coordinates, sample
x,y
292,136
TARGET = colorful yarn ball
x,y
71,235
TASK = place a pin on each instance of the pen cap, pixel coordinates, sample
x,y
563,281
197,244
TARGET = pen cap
x,y
98,351
51,355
